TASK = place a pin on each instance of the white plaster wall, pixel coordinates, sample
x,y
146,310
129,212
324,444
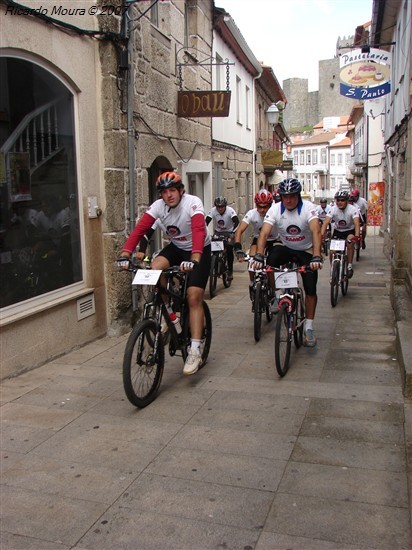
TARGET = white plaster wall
x,y
227,129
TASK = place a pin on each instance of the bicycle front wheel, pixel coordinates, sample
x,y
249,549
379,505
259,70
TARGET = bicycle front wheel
x,y
143,363
257,312
206,334
213,276
345,280
283,340
298,319
334,284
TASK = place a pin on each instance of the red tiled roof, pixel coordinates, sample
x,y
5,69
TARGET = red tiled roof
x,y
325,137
344,143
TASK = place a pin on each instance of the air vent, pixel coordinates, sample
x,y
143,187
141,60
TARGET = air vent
x,y
85,307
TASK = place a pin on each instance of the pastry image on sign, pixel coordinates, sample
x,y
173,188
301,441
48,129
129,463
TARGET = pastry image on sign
x,y
365,74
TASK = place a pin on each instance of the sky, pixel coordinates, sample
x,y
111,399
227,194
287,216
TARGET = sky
x,y
292,36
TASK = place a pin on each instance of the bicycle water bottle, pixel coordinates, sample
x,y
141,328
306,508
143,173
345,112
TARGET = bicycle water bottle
x,y
173,317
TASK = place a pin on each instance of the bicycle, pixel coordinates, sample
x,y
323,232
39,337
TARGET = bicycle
x,y
291,315
144,356
219,267
263,298
338,270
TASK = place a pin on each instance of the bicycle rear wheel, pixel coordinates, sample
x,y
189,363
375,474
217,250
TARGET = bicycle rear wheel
x,y
257,312
283,340
345,281
206,335
334,284
213,276
143,363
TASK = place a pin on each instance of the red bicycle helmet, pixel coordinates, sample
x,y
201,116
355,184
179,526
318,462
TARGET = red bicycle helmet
x,y
355,193
168,179
263,197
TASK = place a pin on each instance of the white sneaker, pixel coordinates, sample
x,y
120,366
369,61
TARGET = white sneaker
x,y
193,362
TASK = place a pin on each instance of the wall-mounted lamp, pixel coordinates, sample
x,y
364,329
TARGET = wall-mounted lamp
x,y
272,114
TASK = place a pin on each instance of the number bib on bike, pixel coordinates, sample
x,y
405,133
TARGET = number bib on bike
x,y
146,276
337,244
286,280
217,246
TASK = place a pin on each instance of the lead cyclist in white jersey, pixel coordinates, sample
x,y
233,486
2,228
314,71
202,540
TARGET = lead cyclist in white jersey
x,y
183,217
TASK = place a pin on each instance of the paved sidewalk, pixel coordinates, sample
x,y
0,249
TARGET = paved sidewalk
x,y
233,457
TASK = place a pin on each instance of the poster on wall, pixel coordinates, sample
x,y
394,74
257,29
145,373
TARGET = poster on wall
x,y
375,203
19,180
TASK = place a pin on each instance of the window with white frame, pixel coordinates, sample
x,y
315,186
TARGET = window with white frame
x,y
247,107
333,182
302,157
340,159
218,68
323,155
238,100
347,159
332,159
314,156
308,157
295,157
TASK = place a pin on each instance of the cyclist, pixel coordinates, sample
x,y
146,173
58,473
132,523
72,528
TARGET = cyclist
x,y
345,218
224,219
299,232
322,210
254,218
182,216
362,204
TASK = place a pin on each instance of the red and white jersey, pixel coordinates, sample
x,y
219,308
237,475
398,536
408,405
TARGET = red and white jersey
x,y
343,219
253,218
293,226
176,222
222,222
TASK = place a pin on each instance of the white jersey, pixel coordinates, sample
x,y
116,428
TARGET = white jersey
x,y
177,221
322,212
253,218
362,204
222,222
343,219
293,225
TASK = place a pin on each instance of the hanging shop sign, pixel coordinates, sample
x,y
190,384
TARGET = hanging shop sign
x,y
203,104
365,75
375,203
272,158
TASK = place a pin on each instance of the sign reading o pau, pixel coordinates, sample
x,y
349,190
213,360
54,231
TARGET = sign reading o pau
x,y
365,75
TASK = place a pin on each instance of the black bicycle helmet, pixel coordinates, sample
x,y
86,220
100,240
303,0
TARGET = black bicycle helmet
x,y
289,186
323,201
220,201
344,195
168,179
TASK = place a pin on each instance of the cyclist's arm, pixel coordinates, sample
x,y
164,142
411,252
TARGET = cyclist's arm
x,y
241,228
208,219
144,241
198,236
356,222
263,237
316,236
142,226
236,222
325,224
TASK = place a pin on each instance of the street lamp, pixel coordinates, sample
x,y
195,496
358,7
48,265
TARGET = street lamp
x,y
272,115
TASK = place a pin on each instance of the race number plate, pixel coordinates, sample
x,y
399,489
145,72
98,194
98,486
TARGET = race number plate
x,y
217,246
289,279
146,276
337,244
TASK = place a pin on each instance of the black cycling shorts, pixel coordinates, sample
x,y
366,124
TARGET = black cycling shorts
x,y
200,274
280,255
343,234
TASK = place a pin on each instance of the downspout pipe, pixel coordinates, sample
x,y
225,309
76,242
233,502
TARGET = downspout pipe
x,y
129,34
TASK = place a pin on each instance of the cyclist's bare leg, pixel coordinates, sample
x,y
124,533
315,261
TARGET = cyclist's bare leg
x,y
350,248
160,262
195,300
310,304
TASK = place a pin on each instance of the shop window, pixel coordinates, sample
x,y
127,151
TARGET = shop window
x,y
40,247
